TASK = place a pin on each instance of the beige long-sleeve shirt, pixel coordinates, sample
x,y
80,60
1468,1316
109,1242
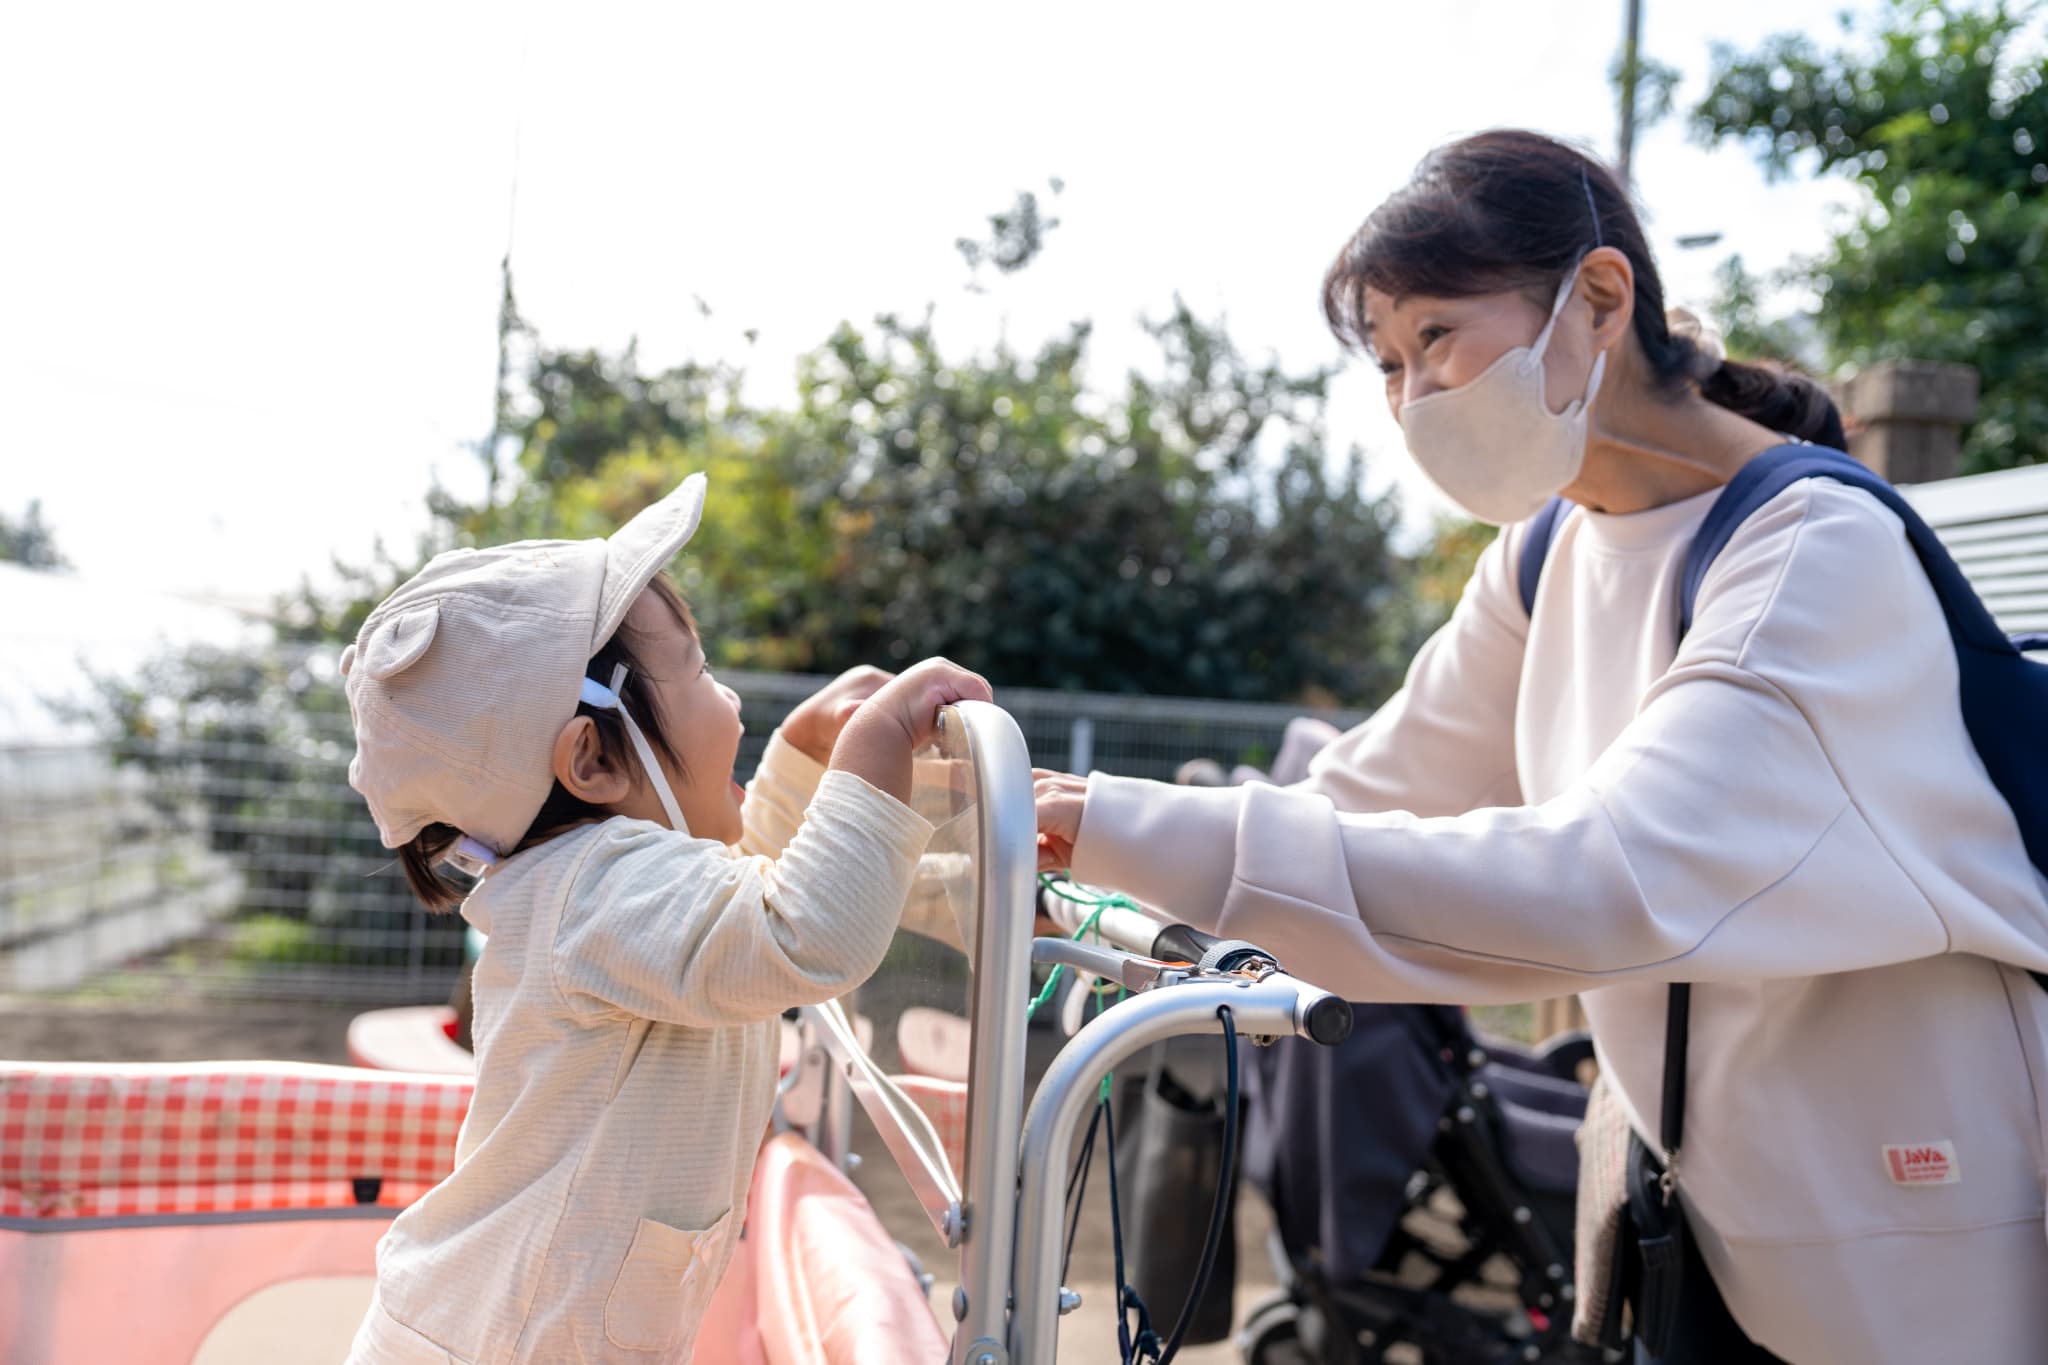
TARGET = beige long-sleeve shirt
x,y
1785,808
626,1007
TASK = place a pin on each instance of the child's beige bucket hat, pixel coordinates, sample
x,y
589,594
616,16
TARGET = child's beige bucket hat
x,y
459,682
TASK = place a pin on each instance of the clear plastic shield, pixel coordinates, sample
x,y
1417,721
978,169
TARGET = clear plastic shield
x,y
911,1022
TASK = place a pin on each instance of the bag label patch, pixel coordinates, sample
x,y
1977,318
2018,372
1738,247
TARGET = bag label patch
x,y
1922,1163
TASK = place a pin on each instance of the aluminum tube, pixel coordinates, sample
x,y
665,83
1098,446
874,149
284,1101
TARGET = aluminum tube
x,y
1130,930
1008,842
1275,1006
1108,964
906,1130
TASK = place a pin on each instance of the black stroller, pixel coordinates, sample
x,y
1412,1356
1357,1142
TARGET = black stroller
x,y
1422,1187
1421,1179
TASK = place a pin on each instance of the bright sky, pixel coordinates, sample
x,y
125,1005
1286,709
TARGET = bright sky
x,y
248,265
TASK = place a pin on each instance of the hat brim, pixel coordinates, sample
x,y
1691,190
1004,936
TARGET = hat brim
x,y
642,548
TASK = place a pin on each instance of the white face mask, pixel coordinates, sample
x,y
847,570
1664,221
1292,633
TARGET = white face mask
x,y
1493,445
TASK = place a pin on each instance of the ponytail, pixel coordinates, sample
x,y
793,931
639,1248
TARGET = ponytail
x,y
1777,397
1767,392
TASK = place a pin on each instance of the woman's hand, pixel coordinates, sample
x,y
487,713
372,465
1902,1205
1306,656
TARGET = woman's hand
x,y
1059,797
814,726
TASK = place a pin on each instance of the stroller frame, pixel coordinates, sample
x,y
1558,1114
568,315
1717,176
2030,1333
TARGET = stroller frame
x,y
1500,1214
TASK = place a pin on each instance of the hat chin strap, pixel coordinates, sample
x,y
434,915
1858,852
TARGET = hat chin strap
x,y
607,699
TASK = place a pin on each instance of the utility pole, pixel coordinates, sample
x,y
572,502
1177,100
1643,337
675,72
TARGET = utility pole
x,y
501,405
1631,37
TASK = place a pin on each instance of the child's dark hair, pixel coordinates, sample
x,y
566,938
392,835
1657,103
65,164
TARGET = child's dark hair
x,y
1515,210
438,887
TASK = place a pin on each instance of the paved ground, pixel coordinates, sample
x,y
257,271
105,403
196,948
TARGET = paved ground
x,y
38,1030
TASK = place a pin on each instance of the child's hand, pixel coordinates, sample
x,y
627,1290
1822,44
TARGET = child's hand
x,y
914,697
901,718
1059,798
814,726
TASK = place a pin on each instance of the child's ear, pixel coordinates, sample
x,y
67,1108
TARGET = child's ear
x,y
580,765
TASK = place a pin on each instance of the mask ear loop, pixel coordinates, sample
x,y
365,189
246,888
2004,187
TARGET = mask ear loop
x,y
607,699
1542,342
1564,292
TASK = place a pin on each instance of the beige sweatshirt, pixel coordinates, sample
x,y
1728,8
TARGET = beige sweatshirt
x,y
626,1007
1786,809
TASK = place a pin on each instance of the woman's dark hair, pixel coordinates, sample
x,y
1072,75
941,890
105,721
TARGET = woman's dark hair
x,y
1515,210
441,889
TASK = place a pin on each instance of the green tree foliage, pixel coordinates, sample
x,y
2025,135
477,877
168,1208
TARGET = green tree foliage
x,y
1015,236
1190,535
29,542
1749,330
1942,118
1446,563
1187,532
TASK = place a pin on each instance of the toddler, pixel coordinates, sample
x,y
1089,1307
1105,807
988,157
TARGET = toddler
x,y
542,715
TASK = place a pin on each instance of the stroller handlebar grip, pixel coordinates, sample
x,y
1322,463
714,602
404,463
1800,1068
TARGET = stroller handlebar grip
x,y
1179,943
1328,1020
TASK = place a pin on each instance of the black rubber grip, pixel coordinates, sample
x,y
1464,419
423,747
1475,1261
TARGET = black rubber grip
x,y
1329,1021
1178,943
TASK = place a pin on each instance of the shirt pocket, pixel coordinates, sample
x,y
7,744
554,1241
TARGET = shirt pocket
x,y
664,1285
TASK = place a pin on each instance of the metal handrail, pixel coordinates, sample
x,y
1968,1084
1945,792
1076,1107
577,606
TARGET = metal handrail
x,y
1274,1006
1008,843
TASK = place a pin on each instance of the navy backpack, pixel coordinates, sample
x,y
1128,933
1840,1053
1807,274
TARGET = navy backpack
x,y
2004,693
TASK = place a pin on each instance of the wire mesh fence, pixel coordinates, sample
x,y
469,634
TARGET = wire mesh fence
x,y
231,857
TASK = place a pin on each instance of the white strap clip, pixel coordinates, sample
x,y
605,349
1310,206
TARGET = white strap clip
x,y
469,857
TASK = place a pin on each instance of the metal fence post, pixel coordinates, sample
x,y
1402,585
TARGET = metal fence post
x,y
1081,746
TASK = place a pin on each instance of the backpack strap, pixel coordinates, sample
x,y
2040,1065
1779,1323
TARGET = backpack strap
x,y
1536,538
1770,473
1999,684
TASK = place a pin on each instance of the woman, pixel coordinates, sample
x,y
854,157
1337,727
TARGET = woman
x,y
1783,807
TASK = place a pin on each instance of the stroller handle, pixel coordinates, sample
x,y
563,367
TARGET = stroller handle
x,y
1325,1018
1273,1005
1182,943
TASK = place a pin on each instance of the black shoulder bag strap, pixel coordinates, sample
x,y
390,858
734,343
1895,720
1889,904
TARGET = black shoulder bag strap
x,y
1671,1116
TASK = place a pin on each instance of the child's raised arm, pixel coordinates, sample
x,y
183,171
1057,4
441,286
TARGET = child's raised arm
x,y
787,777
741,939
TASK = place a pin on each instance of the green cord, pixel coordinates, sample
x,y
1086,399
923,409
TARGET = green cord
x,y
1053,980
1114,900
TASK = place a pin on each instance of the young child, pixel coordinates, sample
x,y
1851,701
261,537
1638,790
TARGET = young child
x,y
543,711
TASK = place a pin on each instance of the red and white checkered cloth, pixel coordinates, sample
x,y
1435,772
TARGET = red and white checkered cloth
x,y
82,1141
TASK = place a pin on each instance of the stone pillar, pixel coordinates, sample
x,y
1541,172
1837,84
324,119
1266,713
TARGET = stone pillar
x,y
1906,417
